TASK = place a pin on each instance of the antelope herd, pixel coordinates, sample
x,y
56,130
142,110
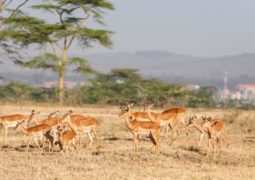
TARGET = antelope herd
x,y
66,130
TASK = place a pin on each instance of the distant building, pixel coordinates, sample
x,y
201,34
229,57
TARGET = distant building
x,y
49,84
235,95
242,92
247,91
190,87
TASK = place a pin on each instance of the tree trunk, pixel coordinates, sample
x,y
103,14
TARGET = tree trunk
x,y
61,86
61,75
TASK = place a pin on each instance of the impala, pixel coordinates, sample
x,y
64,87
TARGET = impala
x,y
141,127
139,116
53,122
66,137
33,132
170,117
199,126
86,125
38,131
143,116
12,120
215,128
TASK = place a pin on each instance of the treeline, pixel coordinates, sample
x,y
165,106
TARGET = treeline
x,y
116,88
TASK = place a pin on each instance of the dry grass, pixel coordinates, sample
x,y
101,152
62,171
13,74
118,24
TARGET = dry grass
x,y
116,160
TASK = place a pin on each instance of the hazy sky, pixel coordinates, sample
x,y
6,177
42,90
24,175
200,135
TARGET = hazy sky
x,y
194,27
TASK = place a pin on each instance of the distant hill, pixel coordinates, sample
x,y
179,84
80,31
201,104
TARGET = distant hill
x,y
179,68
166,66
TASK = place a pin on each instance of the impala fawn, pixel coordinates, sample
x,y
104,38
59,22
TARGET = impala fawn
x,y
215,129
66,136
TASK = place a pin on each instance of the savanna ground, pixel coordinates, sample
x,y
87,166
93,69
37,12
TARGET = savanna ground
x,y
115,158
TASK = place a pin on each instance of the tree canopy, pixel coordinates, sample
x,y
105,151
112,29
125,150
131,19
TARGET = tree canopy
x,y
68,28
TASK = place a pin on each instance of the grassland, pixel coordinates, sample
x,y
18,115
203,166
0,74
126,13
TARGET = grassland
x,y
116,160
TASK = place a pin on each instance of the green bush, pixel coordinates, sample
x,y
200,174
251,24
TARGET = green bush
x,y
116,88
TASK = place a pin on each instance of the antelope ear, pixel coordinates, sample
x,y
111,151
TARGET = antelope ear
x,y
209,118
130,104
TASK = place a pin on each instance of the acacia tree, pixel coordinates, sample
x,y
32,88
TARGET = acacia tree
x,y
9,8
69,28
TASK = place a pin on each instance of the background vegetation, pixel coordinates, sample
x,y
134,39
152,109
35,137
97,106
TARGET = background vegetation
x,y
116,88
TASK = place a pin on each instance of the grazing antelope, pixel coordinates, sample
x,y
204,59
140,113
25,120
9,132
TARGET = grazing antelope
x,y
38,131
53,122
11,121
169,118
66,137
199,126
141,127
215,128
86,125
33,132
